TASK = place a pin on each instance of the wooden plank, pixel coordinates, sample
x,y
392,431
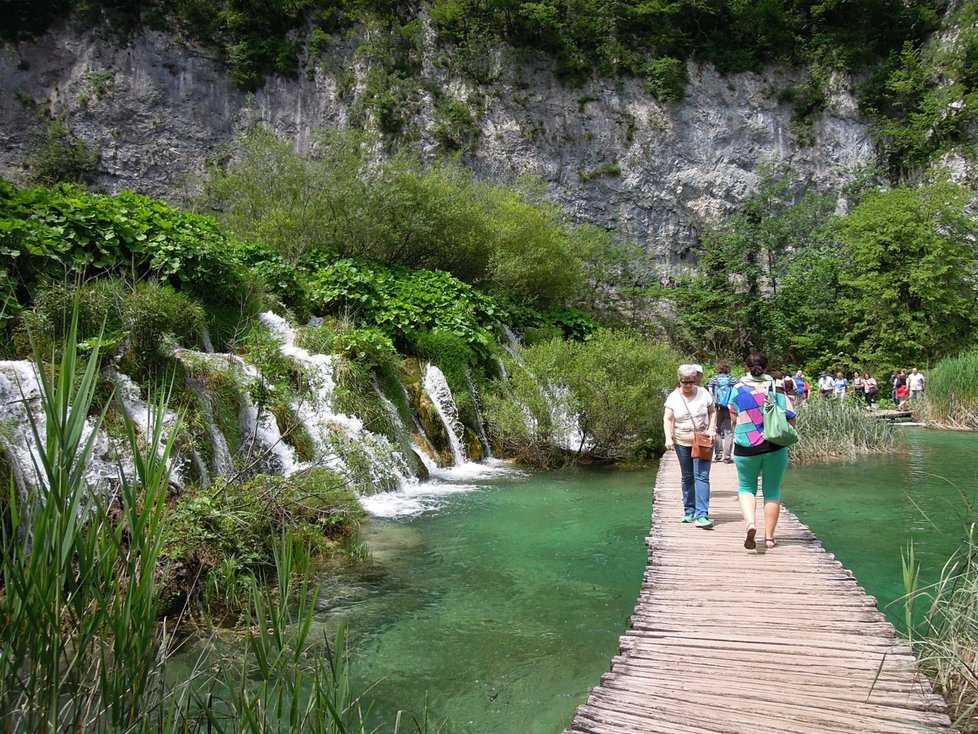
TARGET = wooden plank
x,y
728,640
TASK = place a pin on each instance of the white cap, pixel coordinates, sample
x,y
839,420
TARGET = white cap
x,y
697,367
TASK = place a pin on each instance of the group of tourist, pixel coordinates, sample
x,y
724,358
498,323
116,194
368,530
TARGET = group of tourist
x,y
727,403
905,389
729,412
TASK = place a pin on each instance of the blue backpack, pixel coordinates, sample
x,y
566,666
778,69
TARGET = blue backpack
x,y
724,390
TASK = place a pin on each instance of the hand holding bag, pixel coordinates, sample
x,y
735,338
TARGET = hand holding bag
x,y
777,429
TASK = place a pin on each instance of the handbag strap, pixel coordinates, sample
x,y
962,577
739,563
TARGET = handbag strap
x,y
692,420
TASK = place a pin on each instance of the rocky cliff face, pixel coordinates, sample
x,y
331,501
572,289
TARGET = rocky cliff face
x,y
656,173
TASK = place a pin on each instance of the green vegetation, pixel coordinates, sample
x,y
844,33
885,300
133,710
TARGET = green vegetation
x,y
892,283
944,640
56,155
217,538
337,201
833,429
614,383
46,233
924,100
952,393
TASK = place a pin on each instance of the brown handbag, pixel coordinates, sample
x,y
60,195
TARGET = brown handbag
x,y
702,446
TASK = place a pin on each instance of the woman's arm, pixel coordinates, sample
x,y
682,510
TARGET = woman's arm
x,y
711,423
669,427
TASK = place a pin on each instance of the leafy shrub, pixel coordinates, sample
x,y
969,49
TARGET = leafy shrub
x,y
239,526
56,155
368,346
45,233
141,322
402,303
456,129
666,78
394,211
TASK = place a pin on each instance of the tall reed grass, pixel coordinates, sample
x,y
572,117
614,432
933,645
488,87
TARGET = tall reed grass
x,y
946,641
81,644
830,428
952,393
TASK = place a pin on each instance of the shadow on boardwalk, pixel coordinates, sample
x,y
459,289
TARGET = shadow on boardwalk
x,y
729,640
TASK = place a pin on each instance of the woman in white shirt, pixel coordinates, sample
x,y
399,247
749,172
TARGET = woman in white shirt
x,y
689,408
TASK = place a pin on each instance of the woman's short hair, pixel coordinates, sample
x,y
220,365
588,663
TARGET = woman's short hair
x,y
723,367
687,372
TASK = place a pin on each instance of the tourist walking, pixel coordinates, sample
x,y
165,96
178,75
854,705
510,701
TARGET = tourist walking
x,y
840,385
858,387
721,388
826,385
915,384
689,410
900,389
801,387
871,386
755,456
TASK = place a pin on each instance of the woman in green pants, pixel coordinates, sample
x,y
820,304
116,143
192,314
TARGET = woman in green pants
x,y
755,456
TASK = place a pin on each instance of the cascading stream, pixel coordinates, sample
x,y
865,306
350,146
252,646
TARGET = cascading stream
x,y
341,438
440,393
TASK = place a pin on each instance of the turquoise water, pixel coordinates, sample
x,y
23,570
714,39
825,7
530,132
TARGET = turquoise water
x,y
504,603
502,599
866,512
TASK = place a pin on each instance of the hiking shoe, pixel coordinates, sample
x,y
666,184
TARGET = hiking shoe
x,y
704,522
688,517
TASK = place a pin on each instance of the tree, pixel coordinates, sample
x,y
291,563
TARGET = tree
x,y
909,290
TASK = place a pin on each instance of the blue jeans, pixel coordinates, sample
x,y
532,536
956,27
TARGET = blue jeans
x,y
695,483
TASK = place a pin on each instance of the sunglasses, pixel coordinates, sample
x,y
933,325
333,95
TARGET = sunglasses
x,y
687,382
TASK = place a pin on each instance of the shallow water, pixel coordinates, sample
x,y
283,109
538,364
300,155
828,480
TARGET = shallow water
x,y
503,602
867,512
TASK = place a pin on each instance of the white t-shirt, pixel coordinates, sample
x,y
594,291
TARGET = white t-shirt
x,y
915,381
696,418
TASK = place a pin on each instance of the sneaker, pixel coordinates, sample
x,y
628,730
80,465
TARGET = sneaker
x,y
704,522
688,517
728,461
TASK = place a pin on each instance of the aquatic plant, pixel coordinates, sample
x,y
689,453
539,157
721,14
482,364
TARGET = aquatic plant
x,y
944,641
952,393
829,428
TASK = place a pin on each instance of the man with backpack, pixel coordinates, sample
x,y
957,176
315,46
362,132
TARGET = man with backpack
x,y
721,387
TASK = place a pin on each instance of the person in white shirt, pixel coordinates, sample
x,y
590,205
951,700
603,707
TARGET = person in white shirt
x,y
689,409
826,385
915,381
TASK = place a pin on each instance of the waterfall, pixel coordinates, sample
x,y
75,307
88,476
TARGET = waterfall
x,y
142,414
480,428
222,461
347,446
262,447
567,432
438,390
20,395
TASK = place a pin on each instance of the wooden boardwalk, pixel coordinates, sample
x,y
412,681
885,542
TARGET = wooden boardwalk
x,y
767,641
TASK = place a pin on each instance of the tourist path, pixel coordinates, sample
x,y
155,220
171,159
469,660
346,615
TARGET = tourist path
x,y
765,641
